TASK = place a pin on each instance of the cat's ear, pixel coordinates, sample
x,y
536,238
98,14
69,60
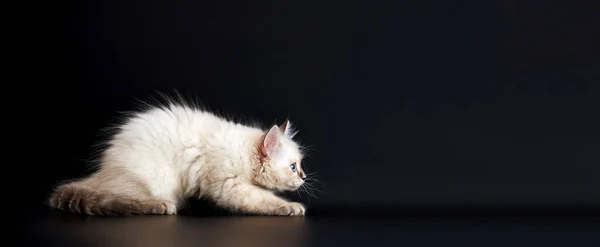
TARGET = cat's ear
x,y
272,141
285,127
287,130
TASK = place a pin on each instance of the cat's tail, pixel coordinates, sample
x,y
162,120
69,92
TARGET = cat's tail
x,y
78,198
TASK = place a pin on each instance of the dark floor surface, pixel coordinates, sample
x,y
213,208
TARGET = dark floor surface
x,y
331,228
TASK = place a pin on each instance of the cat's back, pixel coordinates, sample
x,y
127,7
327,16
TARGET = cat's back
x,y
179,125
175,122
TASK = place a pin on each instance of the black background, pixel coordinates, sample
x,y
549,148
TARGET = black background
x,y
422,103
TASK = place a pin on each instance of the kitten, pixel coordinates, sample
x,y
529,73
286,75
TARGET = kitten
x,y
162,156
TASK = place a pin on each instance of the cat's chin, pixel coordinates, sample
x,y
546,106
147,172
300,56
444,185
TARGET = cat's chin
x,y
284,188
287,188
294,187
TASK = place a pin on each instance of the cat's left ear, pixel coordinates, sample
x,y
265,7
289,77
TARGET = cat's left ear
x,y
272,141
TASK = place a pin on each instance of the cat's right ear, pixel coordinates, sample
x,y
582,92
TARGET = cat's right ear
x,y
272,141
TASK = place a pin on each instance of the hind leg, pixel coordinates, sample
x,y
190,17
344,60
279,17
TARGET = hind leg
x,y
126,206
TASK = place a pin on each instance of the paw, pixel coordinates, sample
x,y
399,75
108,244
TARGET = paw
x,y
162,207
170,208
291,209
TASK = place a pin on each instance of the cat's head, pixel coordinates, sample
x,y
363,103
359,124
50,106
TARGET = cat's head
x,y
280,160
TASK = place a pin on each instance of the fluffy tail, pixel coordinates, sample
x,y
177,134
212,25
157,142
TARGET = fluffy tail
x,y
77,198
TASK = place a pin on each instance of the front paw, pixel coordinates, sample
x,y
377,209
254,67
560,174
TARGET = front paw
x,y
291,209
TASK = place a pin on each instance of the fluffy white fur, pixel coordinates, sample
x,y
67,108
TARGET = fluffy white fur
x,y
160,157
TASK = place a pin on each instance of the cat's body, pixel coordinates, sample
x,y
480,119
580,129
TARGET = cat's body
x,y
165,155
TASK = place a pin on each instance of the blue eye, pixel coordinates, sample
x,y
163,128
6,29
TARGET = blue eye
x,y
293,167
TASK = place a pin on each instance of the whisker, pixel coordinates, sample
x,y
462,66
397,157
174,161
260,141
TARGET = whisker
x,y
305,191
313,188
314,182
310,190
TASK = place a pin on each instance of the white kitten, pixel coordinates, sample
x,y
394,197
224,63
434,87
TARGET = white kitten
x,y
163,156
